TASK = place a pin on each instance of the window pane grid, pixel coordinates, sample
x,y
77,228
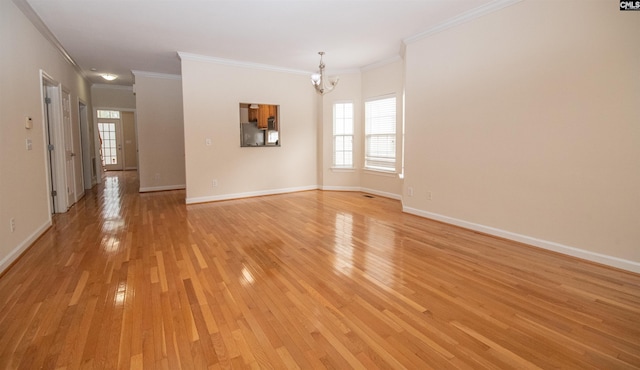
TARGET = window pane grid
x,y
109,114
343,135
343,153
108,136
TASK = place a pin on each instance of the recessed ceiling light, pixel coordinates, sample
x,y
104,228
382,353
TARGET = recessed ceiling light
x,y
109,76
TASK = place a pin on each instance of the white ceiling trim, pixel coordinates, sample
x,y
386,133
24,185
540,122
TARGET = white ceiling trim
x,y
113,87
462,18
264,67
28,11
166,76
237,63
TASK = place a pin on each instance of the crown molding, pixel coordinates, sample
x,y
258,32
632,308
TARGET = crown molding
x,y
33,17
113,87
166,76
462,18
237,63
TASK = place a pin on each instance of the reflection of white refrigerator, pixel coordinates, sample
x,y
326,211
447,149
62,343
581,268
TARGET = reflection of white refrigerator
x,y
252,135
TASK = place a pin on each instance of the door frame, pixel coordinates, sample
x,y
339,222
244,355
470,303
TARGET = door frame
x,y
54,135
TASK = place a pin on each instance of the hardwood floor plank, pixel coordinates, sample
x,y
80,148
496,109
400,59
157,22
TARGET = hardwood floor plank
x,y
496,349
302,280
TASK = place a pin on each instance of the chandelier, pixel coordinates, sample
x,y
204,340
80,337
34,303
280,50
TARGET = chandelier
x,y
319,82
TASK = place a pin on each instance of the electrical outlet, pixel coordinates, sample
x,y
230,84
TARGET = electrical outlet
x,y
157,177
410,191
215,183
12,224
207,142
429,195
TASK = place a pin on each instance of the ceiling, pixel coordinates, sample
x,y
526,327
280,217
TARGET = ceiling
x,y
117,37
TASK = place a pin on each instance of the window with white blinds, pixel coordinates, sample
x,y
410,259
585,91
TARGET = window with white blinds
x,y
343,135
380,134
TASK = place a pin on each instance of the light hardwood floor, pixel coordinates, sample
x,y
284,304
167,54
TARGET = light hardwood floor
x,y
304,280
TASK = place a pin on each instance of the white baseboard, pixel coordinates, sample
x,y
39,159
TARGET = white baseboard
x,y
14,254
214,198
361,189
340,188
162,188
381,193
544,244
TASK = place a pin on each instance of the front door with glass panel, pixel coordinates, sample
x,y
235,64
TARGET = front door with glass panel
x,y
110,143
110,131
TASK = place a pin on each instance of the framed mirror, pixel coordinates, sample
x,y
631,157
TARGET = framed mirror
x,y
259,125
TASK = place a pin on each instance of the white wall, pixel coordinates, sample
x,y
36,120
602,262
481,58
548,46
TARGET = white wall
x,y
212,92
525,123
160,131
113,96
24,194
387,79
130,144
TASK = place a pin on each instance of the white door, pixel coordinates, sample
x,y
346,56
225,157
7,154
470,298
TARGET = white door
x,y
111,143
69,153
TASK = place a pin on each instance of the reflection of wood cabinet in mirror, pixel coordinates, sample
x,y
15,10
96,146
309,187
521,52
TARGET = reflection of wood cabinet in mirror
x,y
253,115
262,115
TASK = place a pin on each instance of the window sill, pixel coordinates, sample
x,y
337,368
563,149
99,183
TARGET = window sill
x,y
343,169
380,172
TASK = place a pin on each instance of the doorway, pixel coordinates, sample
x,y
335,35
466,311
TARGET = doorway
x,y
64,170
59,184
117,139
110,130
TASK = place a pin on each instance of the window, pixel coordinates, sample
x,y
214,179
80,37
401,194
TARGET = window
x,y
109,114
343,135
380,134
